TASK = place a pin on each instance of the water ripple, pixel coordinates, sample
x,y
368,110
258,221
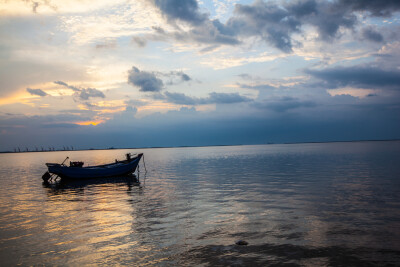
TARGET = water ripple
x,y
301,204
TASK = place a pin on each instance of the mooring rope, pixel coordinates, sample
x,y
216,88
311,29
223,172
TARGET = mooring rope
x,y
144,163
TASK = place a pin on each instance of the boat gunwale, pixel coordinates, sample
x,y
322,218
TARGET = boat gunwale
x,y
117,163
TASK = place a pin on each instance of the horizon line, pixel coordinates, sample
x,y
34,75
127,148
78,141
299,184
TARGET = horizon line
x,y
188,146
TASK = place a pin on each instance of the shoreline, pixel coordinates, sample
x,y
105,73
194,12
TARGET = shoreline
x,y
286,143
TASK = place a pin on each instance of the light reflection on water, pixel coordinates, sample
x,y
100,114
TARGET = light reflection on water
x,y
311,204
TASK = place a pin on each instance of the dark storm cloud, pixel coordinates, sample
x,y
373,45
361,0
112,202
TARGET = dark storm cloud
x,y
213,98
38,92
146,81
272,22
372,35
358,76
187,10
82,93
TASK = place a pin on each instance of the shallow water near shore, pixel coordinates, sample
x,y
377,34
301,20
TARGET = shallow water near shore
x,y
300,204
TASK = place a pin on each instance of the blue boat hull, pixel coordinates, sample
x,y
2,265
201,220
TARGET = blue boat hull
x,y
107,170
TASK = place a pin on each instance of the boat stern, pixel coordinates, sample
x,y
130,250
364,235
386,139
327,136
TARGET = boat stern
x,y
53,167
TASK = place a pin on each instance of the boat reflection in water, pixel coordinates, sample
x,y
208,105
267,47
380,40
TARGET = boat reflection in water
x,y
62,185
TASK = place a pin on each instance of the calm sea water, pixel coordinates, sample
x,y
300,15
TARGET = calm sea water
x,y
297,204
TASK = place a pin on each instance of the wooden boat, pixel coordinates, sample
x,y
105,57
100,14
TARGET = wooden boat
x,y
77,171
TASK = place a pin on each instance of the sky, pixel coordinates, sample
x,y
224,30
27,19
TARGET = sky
x,y
149,73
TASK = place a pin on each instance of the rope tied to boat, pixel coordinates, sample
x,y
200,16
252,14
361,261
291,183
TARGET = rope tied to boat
x,y
144,164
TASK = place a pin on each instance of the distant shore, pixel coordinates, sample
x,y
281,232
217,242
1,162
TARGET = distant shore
x,y
121,148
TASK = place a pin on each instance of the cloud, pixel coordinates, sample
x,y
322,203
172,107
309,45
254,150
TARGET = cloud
x,y
329,19
139,41
206,33
202,30
227,98
61,83
86,93
187,10
34,64
185,77
372,35
43,121
146,81
152,82
107,44
191,127
258,86
213,98
250,123
369,77
276,23
35,4
245,76
82,93
135,102
389,55
76,89
38,92
176,77
372,95
273,22
375,8
182,99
